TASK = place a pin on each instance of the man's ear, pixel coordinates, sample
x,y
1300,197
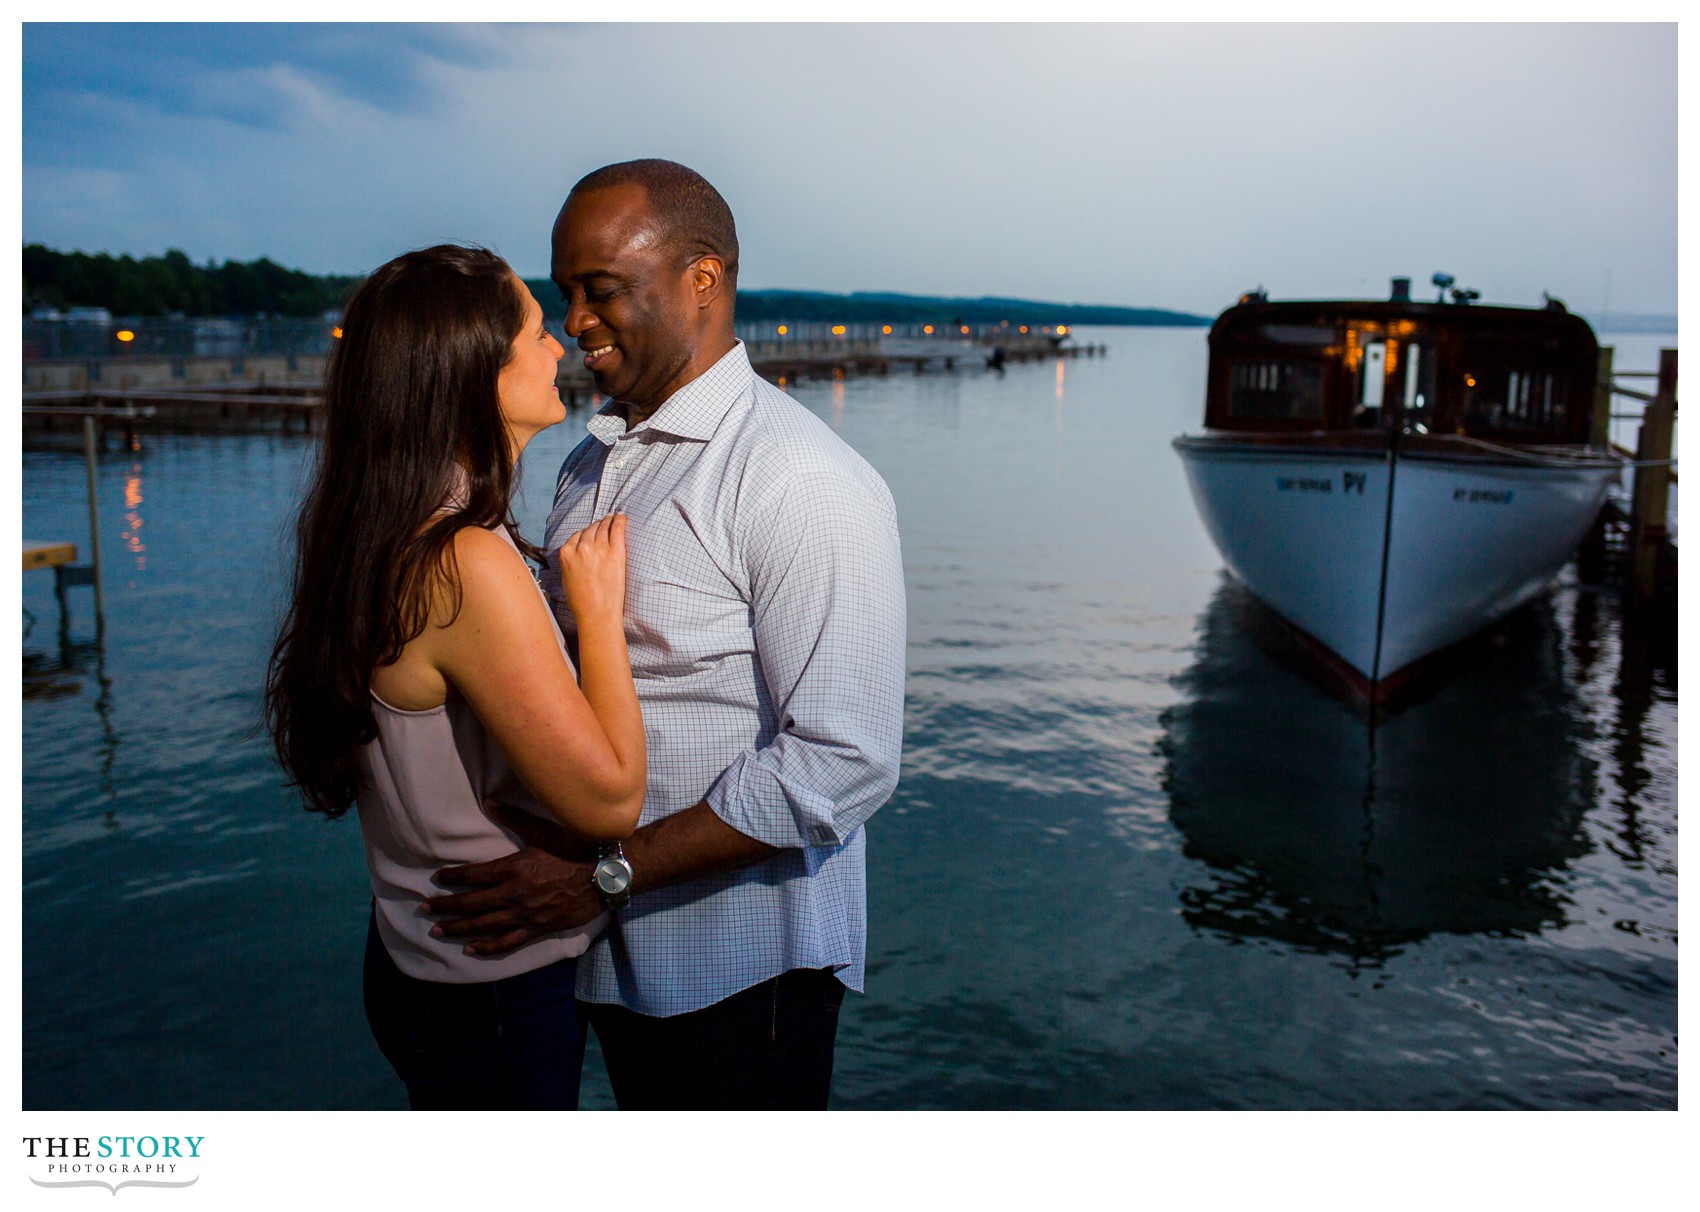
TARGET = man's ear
x,y
708,276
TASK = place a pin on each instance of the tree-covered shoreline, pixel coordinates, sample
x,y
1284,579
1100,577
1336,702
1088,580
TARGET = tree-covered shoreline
x,y
174,285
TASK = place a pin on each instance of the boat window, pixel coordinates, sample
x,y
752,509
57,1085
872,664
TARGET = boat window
x,y
1370,367
1299,334
1266,390
1515,399
1419,386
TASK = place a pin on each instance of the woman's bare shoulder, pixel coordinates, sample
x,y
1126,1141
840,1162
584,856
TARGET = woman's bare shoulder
x,y
489,571
485,548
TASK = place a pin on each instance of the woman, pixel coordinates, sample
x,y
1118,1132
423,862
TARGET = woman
x,y
420,671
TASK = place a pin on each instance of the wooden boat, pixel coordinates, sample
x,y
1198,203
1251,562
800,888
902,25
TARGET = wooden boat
x,y
1392,476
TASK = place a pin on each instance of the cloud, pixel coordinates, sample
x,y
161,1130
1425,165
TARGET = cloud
x,y
1159,165
257,75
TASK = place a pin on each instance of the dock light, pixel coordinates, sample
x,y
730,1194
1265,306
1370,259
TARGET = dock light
x,y
886,330
337,333
928,330
783,330
838,330
1469,381
1062,330
126,336
965,330
1024,328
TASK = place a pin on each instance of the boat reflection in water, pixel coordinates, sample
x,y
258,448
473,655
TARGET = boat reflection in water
x,y
1332,831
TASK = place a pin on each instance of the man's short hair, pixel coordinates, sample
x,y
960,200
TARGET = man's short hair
x,y
694,216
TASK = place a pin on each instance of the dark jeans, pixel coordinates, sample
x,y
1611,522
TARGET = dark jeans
x,y
767,1048
510,1044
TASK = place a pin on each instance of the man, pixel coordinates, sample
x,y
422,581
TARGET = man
x,y
765,619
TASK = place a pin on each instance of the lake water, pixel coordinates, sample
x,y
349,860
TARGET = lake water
x,y
1138,857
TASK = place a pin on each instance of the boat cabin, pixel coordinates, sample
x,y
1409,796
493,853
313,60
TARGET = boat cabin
x,y
1505,374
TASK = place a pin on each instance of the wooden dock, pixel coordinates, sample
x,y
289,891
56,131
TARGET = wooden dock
x,y
60,554
50,554
1631,543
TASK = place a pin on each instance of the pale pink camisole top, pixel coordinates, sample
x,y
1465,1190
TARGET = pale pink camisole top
x,y
426,774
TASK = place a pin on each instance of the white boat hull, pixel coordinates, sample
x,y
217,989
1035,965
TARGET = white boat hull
x,y
1466,541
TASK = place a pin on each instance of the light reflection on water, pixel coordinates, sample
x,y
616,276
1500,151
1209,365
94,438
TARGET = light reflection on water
x,y
1137,858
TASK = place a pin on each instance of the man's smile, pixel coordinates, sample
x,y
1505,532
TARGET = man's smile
x,y
596,356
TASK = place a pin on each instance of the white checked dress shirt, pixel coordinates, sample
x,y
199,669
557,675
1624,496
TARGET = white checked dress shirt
x,y
765,620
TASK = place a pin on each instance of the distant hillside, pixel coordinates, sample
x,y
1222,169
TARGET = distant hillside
x,y
173,284
878,307
1632,323
870,307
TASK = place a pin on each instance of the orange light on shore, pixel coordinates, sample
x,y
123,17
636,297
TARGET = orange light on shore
x,y
965,330
1062,330
783,330
125,335
1024,328
838,330
928,330
886,330
337,333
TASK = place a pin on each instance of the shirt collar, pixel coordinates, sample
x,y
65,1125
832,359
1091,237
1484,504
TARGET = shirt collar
x,y
694,411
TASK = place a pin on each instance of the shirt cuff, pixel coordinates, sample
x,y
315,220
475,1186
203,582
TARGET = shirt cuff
x,y
759,802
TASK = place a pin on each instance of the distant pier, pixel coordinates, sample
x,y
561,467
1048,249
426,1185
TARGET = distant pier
x,y
125,394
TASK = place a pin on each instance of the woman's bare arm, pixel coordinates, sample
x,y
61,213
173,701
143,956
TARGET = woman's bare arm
x,y
579,750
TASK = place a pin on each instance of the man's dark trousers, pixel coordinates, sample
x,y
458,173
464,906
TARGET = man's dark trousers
x,y
766,1048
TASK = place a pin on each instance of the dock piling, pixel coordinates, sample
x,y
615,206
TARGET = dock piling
x,y
1651,499
1600,434
90,461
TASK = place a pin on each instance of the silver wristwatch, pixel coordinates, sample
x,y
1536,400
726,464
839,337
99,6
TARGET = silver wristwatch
x,y
612,877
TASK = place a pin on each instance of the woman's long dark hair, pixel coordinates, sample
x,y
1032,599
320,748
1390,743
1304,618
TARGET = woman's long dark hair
x,y
411,424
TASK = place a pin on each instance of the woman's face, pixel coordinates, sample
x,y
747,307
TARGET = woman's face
x,y
526,385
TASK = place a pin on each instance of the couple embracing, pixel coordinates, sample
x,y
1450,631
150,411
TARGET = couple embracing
x,y
627,796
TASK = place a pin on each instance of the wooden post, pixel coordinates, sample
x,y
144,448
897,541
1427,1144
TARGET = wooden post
x,y
1600,433
1652,483
94,523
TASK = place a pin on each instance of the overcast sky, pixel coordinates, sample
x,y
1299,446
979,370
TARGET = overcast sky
x,y
1169,166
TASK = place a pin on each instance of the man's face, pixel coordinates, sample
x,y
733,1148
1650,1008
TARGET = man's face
x,y
631,306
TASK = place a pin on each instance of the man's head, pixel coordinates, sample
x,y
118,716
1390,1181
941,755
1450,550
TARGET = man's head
x,y
646,256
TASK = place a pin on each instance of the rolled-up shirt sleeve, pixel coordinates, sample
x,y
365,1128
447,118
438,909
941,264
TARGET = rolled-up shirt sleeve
x,y
825,574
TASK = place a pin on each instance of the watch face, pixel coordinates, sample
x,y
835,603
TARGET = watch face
x,y
613,876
